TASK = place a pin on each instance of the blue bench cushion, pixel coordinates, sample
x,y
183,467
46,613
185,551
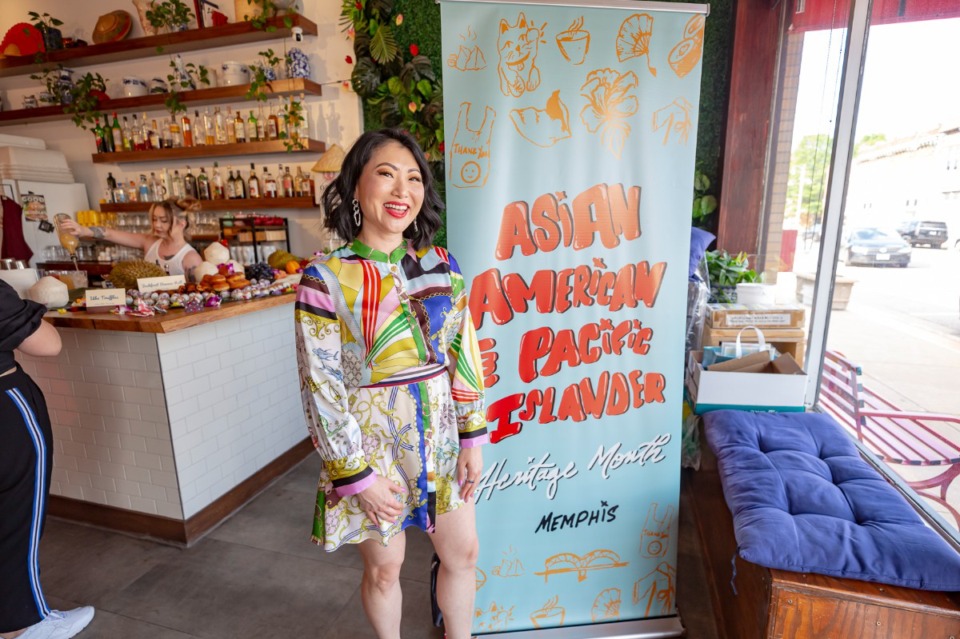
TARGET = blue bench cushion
x,y
804,500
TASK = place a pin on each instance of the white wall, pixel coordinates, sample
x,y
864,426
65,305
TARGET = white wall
x,y
335,117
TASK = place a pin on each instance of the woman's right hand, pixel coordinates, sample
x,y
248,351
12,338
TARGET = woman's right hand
x,y
381,500
73,228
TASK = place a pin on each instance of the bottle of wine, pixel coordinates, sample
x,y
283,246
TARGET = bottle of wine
x,y
299,183
203,185
199,129
269,184
209,127
216,183
230,126
230,188
219,127
177,188
189,184
272,125
253,183
116,133
261,124
286,183
252,128
186,129
125,132
98,136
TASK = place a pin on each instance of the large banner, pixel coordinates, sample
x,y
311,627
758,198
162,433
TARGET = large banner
x,y
570,138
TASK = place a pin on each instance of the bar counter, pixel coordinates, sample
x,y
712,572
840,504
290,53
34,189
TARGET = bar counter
x,y
165,425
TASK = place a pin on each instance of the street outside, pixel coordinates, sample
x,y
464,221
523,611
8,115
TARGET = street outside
x,y
902,327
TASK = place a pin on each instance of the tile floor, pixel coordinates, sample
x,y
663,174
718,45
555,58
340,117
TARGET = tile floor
x,y
257,576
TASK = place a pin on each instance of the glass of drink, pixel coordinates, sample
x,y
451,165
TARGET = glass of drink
x,y
68,240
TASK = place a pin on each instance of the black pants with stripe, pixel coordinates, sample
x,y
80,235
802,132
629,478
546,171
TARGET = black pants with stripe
x,y
26,457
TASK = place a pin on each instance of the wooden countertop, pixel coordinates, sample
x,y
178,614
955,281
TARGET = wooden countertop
x,y
175,320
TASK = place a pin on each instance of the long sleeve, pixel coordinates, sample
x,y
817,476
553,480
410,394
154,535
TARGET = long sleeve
x,y
464,364
334,430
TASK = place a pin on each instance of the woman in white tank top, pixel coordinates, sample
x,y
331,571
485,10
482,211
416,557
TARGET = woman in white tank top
x,y
166,246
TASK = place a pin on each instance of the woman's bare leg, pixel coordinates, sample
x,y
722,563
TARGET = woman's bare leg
x,y
380,587
455,541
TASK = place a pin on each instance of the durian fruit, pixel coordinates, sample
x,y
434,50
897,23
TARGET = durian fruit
x,y
279,259
125,274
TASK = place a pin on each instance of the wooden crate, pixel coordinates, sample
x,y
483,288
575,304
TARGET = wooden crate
x,y
785,340
759,315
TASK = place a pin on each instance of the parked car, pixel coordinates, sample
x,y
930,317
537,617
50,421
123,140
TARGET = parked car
x,y
875,247
933,234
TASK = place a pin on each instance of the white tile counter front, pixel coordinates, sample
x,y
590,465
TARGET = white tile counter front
x,y
166,424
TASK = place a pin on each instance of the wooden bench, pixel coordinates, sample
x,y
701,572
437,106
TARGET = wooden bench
x,y
896,436
753,602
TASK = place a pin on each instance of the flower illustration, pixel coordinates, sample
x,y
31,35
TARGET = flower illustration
x,y
414,50
609,103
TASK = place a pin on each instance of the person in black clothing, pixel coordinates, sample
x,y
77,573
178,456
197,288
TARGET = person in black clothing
x,y
26,457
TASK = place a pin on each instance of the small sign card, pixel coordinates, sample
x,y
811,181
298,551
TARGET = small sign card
x,y
104,298
167,283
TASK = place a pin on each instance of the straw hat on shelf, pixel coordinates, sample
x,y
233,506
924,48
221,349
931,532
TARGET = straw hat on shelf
x,y
112,27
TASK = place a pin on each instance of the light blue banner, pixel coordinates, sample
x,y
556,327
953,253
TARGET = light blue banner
x,y
570,138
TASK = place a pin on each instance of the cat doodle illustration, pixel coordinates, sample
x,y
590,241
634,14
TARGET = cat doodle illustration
x,y
470,152
518,46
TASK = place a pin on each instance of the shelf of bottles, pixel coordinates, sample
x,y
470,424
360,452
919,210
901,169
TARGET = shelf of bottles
x,y
251,238
192,99
170,43
280,128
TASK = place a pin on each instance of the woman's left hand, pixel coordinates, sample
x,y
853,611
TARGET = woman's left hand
x,y
469,469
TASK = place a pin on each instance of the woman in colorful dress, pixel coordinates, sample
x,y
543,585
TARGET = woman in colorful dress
x,y
391,381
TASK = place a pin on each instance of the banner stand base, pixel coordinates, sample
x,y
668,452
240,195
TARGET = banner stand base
x,y
659,628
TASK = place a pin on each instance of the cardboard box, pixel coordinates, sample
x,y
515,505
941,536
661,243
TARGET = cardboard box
x,y
749,383
785,340
759,315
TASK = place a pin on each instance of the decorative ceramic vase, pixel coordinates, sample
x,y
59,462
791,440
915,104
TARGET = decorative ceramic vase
x,y
299,66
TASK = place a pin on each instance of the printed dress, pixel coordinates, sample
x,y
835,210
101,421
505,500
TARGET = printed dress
x,y
391,382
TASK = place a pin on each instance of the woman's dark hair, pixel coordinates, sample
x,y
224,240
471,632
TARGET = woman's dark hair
x,y
338,196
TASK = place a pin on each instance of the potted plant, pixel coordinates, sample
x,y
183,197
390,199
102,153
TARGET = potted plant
x,y
86,93
264,72
185,76
172,15
726,271
47,26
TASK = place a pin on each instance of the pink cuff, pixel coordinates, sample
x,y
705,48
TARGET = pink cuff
x,y
475,441
354,488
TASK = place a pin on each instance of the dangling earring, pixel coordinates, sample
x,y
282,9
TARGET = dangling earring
x,y
415,229
357,218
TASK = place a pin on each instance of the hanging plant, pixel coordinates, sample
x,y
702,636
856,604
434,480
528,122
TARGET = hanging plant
x,y
185,76
172,15
86,94
263,73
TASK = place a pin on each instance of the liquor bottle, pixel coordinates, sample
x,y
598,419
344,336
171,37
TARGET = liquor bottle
x,y
272,125
252,128
209,127
111,188
143,189
177,189
240,129
203,185
125,131
230,188
154,136
166,184
304,130
241,187
199,129
136,135
230,126
157,190
176,135
133,193
216,183
98,136
145,131
261,124
187,130
253,184
269,184
166,138
189,184
287,183
116,133
299,183
282,116
219,127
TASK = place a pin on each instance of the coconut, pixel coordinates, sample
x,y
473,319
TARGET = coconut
x,y
50,292
216,253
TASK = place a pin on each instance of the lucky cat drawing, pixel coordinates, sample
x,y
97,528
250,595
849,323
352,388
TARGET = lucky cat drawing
x,y
517,46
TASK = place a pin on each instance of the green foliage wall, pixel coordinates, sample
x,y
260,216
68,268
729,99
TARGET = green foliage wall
x,y
421,26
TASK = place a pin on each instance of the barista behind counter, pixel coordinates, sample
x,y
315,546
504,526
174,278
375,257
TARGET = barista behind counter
x,y
166,246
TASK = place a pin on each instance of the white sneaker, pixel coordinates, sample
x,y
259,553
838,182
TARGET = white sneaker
x,y
60,625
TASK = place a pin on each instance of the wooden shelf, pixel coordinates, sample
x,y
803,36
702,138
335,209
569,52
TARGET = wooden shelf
x,y
146,47
208,151
248,204
94,268
200,97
